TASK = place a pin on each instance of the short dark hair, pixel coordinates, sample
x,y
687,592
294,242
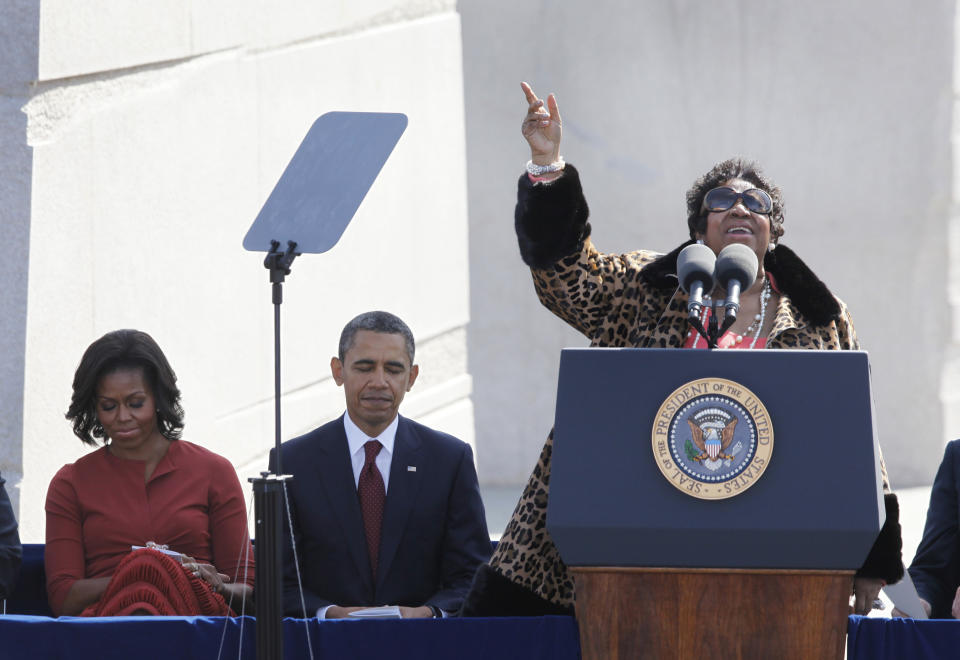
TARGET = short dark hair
x,y
376,321
733,168
118,350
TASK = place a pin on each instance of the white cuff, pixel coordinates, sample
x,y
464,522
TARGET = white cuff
x,y
322,612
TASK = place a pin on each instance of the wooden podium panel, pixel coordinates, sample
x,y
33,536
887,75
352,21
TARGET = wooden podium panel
x,y
729,614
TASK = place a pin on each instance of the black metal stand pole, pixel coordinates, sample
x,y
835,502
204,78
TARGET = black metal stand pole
x,y
268,530
268,490
711,332
714,330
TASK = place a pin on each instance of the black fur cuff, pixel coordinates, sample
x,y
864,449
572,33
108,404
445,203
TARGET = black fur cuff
x,y
494,595
551,218
885,560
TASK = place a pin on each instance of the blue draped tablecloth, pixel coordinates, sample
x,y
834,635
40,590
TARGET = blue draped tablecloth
x,y
899,639
199,638
530,638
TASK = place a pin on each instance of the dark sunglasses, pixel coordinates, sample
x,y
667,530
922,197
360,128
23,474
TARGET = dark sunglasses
x,y
723,198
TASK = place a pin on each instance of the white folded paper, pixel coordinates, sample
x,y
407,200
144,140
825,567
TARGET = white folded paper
x,y
905,598
385,612
176,555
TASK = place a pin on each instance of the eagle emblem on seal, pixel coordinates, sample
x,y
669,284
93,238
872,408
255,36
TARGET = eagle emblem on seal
x,y
712,439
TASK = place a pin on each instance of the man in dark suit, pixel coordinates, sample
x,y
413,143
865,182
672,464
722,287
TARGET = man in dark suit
x,y
935,569
11,553
385,511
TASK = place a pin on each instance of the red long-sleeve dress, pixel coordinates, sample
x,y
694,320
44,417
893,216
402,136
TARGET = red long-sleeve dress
x,y
100,506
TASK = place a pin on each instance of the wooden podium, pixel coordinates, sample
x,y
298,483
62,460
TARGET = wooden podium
x,y
766,573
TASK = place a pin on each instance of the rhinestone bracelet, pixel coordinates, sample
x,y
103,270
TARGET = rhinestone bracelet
x,y
539,170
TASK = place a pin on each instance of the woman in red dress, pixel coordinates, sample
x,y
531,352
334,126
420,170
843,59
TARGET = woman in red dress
x,y
144,487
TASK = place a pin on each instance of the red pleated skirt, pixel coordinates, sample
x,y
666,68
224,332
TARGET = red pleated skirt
x,y
148,582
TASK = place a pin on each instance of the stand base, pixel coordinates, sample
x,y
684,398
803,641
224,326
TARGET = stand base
x,y
667,613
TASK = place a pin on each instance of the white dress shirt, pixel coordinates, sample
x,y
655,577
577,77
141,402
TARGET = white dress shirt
x,y
356,439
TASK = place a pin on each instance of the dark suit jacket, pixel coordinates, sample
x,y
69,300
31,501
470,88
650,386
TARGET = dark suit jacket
x,y
936,567
434,531
10,550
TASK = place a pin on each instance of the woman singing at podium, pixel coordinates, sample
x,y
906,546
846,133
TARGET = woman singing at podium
x,y
633,300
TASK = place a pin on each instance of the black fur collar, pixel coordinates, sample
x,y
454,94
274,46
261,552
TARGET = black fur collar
x,y
794,278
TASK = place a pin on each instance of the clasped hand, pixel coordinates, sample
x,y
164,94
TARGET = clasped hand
x,y
422,612
206,572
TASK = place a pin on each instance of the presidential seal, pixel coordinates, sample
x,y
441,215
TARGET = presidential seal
x,y
712,438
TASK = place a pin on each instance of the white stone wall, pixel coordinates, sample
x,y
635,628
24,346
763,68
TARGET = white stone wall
x,y
149,136
138,141
950,383
18,44
849,107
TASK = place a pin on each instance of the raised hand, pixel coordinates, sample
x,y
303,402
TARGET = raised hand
x,y
542,127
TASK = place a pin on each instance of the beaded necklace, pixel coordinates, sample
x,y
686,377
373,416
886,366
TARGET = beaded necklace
x,y
755,327
758,319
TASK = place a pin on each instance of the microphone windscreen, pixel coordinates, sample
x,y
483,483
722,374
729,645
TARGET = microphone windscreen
x,y
696,263
737,262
